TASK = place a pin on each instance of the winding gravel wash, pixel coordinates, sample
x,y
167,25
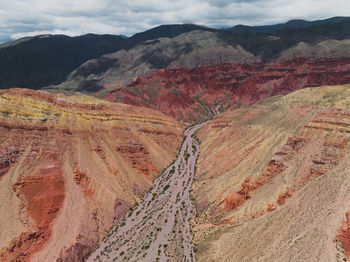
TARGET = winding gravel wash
x,y
158,228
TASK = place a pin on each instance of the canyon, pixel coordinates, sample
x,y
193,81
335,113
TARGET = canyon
x,y
158,228
180,143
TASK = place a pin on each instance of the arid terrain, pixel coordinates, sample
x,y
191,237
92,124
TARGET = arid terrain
x,y
272,182
179,143
192,94
70,167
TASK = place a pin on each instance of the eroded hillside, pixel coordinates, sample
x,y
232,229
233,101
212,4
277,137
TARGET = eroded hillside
x,y
70,166
272,182
192,95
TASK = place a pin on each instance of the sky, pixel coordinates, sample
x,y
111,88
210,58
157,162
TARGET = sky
x,y
20,18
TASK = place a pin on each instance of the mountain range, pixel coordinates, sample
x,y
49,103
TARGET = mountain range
x,y
180,142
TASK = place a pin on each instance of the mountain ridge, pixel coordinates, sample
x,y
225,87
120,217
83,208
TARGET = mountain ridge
x,y
57,56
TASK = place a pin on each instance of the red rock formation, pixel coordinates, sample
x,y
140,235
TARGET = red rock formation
x,y
192,94
82,180
232,202
344,234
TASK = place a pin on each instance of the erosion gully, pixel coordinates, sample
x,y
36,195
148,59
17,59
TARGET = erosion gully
x,y
158,229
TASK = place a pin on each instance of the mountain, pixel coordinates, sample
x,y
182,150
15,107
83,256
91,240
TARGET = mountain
x,y
272,180
270,45
70,166
200,48
35,62
190,50
324,49
47,59
41,61
168,31
16,42
295,23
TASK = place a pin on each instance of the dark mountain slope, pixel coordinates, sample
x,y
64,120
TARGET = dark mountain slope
x,y
44,60
295,23
269,45
168,31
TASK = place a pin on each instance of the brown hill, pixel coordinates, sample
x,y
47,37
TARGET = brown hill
x,y
70,166
272,182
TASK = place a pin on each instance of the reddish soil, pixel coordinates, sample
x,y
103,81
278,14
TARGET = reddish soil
x,y
319,160
187,94
43,138
82,180
42,194
232,202
344,234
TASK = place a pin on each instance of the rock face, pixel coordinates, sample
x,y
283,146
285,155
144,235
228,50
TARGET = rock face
x,y
272,180
70,166
194,94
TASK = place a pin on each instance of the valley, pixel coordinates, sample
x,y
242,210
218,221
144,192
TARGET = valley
x,y
107,153
158,229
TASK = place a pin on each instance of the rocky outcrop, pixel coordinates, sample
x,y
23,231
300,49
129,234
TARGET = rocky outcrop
x,y
195,94
70,166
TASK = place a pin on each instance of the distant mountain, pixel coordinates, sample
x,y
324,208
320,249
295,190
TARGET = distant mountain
x,y
270,45
295,23
168,31
44,60
16,42
204,48
189,50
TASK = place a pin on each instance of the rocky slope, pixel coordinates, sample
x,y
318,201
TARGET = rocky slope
x,y
324,49
70,166
272,182
189,50
194,94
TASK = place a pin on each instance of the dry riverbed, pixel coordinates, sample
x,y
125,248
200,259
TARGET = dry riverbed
x,y
158,228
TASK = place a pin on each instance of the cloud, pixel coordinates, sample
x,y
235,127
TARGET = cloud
x,y
19,18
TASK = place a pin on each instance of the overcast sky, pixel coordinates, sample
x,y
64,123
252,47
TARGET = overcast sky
x,y
19,18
